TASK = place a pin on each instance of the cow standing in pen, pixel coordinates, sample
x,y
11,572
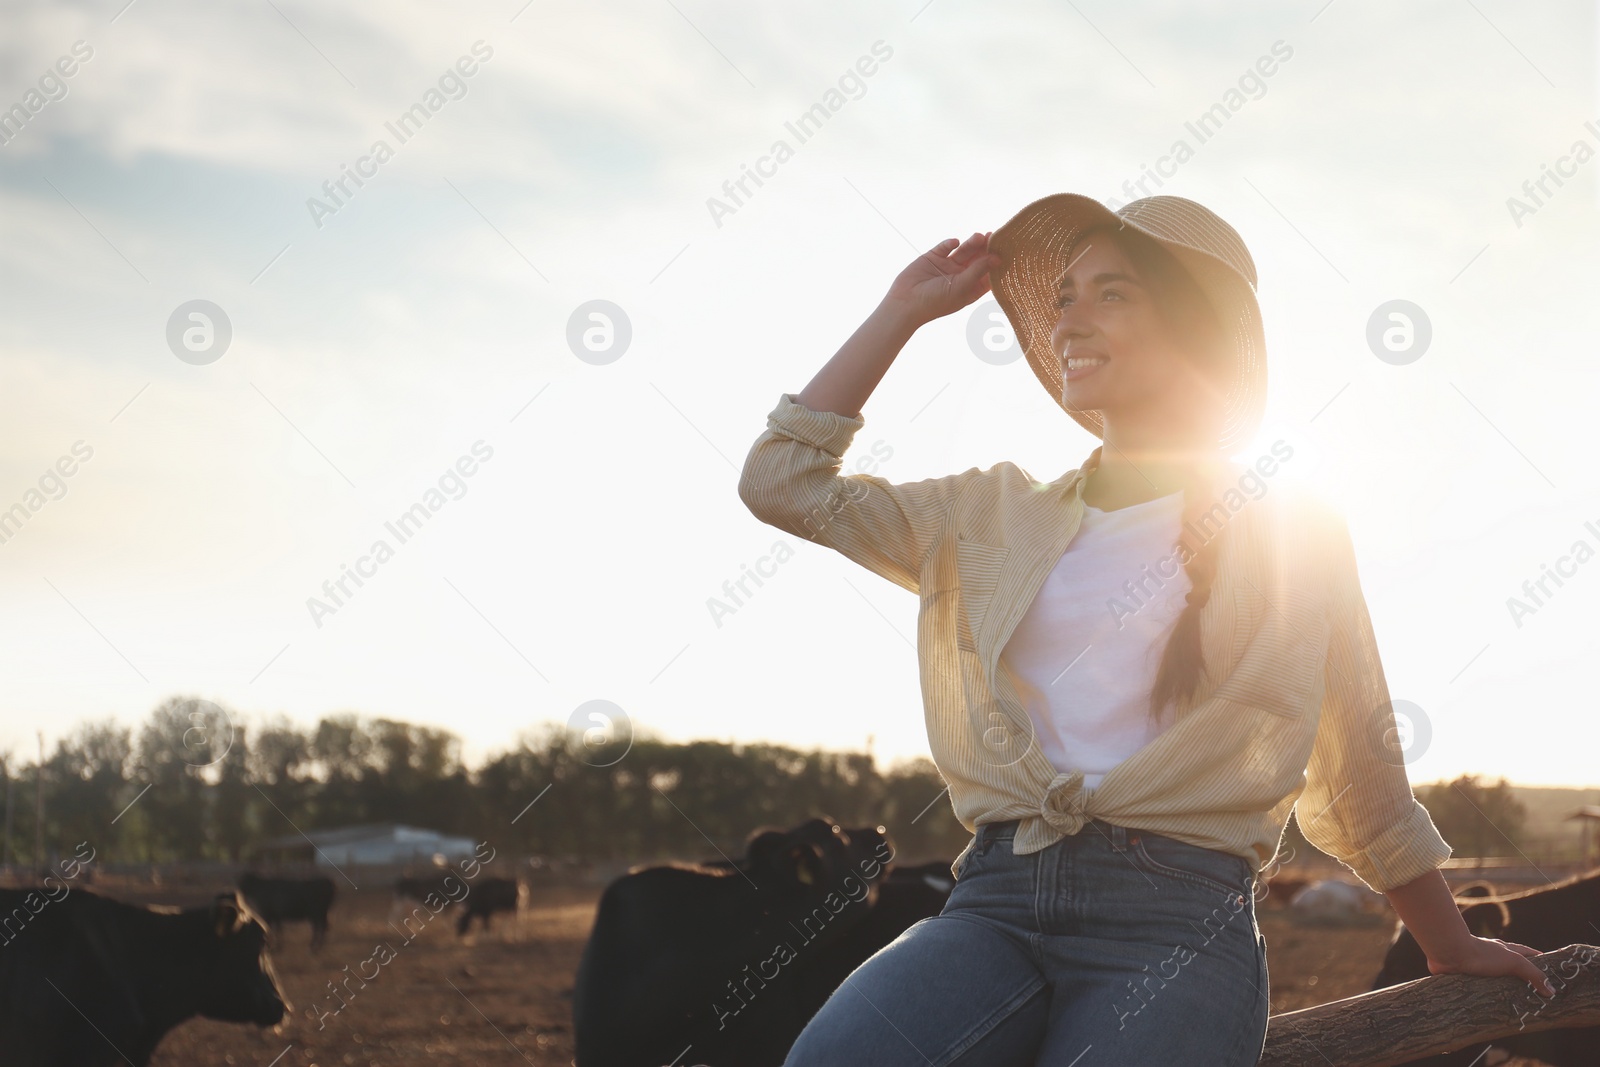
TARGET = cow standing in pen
x,y
281,900
477,899
86,981
488,896
724,963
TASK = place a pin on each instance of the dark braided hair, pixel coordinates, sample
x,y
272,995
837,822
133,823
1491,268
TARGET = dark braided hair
x,y
1183,662
1189,315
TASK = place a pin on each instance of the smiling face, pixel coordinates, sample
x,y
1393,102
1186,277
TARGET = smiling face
x,y
1120,355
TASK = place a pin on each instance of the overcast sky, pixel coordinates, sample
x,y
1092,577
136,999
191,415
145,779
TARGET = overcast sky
x,y
388,335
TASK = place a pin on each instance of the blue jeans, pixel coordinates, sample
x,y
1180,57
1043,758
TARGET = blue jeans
x,y
1110,947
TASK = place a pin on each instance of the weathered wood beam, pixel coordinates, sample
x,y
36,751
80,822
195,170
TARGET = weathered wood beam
x,y
1438,1014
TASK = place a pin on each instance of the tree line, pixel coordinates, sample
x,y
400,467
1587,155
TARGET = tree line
x,y
194,782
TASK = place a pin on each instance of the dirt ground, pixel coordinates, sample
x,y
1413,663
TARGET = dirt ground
x,y
504,998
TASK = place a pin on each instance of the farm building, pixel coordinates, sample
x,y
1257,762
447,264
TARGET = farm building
x,y
1588,817
372,844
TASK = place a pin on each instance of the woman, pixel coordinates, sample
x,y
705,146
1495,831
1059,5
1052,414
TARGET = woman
x,y
1131,675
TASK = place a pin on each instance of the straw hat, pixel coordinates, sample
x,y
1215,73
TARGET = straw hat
x,y
1033,246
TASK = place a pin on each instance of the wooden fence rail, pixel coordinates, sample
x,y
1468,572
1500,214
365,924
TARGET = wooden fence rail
x,y
1439,1014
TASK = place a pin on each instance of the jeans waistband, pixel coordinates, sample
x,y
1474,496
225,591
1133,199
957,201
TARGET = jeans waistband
x,y
989,831
1006,828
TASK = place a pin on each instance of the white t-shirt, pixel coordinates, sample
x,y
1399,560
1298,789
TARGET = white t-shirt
x,y
1084,656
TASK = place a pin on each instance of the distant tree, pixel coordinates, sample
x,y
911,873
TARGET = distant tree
x,y
87,786
231,800
7,806
183,737
278,768
21,783
341,754
1476,819
507,786
417,775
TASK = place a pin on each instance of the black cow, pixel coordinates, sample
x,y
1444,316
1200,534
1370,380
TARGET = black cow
x,y
476,898
281,900
487,896
1558,915
906,896
725,964
86,981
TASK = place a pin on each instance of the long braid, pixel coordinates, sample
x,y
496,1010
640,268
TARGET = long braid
x,y
1183,661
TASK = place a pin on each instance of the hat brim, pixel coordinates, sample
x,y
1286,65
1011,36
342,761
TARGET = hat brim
x,y
1032,249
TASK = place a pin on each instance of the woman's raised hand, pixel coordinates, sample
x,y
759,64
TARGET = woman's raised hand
x,y
944,279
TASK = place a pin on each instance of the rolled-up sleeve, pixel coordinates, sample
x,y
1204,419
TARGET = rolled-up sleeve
x,y
791,480
1357,804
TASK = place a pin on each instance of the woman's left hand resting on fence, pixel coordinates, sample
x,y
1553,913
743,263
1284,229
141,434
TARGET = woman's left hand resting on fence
x,y
1492,956
1429,911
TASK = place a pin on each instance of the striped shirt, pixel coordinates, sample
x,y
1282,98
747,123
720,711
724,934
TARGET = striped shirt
x,y
1291,713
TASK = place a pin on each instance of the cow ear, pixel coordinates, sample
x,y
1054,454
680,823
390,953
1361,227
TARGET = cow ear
x,y
225,914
